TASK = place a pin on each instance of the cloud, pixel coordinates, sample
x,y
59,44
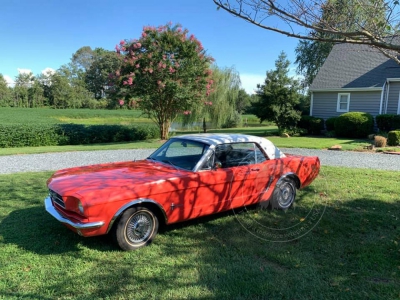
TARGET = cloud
x,y
48,71
250,81
24,71
9,80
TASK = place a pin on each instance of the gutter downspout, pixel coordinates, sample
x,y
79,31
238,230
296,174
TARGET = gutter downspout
x,y
382,95
311,103
387,97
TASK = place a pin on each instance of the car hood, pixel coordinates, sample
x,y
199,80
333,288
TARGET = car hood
x,y
113,175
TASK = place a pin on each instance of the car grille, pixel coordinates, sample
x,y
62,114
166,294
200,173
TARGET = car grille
x,y
56,198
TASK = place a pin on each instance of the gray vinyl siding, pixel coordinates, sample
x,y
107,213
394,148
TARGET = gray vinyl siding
x,y
325,103
393,97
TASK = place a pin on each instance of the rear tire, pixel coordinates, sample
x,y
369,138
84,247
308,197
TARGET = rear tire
x,y
136,228
284,194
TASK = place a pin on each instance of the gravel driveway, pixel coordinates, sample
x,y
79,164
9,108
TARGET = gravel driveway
x,y
54,161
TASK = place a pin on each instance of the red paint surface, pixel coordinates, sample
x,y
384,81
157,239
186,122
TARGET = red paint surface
x,y
104,189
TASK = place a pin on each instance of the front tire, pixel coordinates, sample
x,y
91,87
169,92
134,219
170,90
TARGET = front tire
x,y
284,194
136,228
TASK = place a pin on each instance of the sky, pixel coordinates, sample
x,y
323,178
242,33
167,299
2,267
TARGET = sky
x,y
43,34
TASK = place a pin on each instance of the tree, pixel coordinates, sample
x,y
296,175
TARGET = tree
x,y
23,81
83,58
219,109
97,76
278,97
5,92
243,101
311,54
370,22
165,73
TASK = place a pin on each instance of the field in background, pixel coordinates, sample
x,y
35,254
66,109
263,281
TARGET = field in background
x,y
85,116
76,116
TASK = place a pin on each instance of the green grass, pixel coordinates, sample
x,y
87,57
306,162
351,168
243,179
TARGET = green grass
x,y
318,142
77,116
148,144
351,253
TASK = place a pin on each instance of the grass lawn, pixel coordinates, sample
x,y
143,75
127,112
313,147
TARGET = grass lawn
x,y
13,115
350,248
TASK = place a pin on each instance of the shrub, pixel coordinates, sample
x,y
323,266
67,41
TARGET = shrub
x,y
384,122
387,122
393,138
354,124
380,141
23,135
330,123
31,135
313,125
330,134
396,122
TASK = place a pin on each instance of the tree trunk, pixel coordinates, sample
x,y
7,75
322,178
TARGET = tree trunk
x,y
164,129
204,125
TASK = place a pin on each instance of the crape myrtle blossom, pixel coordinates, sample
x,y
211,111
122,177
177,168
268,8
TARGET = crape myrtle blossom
x,y
168,68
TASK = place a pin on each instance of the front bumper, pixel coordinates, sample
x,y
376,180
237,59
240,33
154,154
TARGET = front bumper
x,y
52,211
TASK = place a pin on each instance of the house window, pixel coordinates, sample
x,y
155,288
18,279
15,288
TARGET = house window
x,y
343,102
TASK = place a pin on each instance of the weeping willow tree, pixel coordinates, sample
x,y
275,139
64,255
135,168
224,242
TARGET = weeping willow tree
x,y
219,108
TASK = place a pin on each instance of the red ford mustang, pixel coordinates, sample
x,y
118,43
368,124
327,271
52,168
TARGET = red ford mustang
x,y
187,177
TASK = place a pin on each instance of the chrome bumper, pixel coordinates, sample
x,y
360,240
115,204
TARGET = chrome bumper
x,y
51,210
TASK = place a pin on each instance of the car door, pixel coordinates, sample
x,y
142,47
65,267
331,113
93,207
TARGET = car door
x,y
242,160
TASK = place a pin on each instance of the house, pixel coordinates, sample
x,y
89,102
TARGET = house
x,y
356,78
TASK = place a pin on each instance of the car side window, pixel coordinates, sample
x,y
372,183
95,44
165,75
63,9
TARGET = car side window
x,y
239,154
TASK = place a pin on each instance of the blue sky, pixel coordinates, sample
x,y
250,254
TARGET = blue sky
x,y
40,34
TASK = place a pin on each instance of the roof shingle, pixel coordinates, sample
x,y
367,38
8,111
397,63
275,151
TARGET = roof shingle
x,y
355,66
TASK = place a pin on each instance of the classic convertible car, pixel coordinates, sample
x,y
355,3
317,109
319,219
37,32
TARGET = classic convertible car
x,y
187,177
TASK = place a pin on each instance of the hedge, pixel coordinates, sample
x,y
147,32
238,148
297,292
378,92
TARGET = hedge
x,y
31,135
313,125
354,125
393,138
387,122
330,123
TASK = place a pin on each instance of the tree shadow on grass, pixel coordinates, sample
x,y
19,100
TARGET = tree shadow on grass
x,y
216,258
33,229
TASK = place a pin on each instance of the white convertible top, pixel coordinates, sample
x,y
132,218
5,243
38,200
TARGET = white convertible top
x,y
214,139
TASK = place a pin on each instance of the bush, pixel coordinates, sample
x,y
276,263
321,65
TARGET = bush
x,y
71,134
393,138
384,122
313,125
23,135
387,122
330,123
380,141
354,125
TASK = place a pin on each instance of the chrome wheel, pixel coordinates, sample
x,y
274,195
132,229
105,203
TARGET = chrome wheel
x,y
139,227
136,228
284,194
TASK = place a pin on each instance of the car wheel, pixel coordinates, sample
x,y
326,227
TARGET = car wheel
x,y
136,228
284,194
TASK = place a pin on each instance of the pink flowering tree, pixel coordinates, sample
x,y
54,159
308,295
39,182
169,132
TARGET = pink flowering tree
x,y
167,73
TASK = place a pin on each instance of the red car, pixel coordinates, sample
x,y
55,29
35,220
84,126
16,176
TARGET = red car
x,y
187,177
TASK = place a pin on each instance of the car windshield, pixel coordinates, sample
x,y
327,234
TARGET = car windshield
x,y
180,153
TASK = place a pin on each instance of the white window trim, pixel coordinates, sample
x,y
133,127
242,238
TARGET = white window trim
x,y
338,102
